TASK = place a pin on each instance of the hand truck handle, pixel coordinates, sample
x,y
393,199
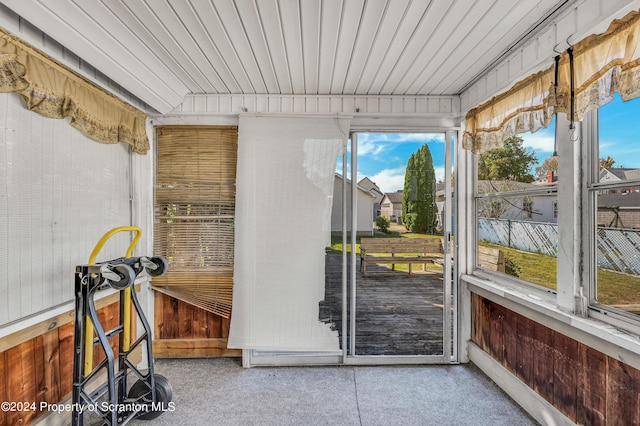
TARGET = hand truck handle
x,y
105,237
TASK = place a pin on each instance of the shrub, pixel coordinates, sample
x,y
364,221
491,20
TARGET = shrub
x,y
410,221
511,267
383,223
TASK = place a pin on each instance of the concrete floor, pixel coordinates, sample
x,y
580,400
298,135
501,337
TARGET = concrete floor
x,y
220,392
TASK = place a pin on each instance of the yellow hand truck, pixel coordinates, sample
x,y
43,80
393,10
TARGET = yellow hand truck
x,y
114,401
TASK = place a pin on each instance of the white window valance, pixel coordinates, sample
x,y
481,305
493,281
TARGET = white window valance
x,y
596,68
54,91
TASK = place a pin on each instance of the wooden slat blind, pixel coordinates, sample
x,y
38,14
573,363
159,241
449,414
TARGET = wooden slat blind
x,y
194,214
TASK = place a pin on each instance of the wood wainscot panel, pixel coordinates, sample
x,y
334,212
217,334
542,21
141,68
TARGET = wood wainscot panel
x,y
21,382
565,374
184,330
592,387
36,363
623,385
586,385
524,352
3,386
193,348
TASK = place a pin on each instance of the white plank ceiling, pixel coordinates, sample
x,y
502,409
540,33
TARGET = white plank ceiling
x,y
162,50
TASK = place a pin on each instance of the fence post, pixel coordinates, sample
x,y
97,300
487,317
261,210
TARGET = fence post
x,y
508,232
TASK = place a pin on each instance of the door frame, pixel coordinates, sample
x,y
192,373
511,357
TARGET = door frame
x,y
450,334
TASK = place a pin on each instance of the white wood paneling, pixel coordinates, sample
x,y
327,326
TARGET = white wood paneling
x,y
161,50
310,104
60,193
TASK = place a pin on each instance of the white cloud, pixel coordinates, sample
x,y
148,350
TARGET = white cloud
x,y
389,180
368,147
541,141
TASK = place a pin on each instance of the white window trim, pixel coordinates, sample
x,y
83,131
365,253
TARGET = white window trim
x,y
600,312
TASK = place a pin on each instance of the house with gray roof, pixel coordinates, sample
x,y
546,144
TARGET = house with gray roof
x,y
391,206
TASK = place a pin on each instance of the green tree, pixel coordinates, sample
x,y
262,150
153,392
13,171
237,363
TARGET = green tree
x,y
607,163
511,162
419,210
548,165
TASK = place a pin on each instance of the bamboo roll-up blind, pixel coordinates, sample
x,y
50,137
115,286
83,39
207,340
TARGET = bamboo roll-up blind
x,y
194,214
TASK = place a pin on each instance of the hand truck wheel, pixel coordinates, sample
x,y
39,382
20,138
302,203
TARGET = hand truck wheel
x,y
126,276
164,395
156,266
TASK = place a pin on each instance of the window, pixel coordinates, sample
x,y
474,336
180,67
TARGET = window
x,y
615,209
527,208
516,209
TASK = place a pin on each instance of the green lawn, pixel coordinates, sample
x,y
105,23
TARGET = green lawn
x,y
614,288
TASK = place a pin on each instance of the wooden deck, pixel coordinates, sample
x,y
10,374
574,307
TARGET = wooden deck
x,y
397,313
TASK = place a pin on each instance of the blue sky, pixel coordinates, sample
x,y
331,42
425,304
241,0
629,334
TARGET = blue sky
x,y
383,156
619,127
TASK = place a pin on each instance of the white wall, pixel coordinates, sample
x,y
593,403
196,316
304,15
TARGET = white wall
x,y
60,193
365,209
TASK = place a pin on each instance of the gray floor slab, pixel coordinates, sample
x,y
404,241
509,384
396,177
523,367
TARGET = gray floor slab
x,y
220,392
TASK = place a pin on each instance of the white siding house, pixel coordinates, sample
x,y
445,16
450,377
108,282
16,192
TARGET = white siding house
x,y
365,203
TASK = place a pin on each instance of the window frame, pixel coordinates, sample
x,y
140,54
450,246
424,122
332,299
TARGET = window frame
x,y
540,291
602,312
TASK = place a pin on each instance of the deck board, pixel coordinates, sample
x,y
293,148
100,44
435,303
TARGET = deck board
x,y
397,313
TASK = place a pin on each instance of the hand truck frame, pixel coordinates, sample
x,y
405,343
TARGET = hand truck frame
x,y
151,394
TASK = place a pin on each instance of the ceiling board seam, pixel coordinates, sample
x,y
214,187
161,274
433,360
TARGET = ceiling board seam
x,y
266,43
355,43
304,80
197,45
284,44
319,48
150,50
335,50
386,53
214,46
423,47
479,42
439,66
222,56
534,29
253,53
135,16
149,88
406,46
170,34
233,47
373,42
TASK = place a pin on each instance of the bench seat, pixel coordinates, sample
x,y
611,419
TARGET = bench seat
x,y
395,251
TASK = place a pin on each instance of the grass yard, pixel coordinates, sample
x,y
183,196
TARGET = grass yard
x,y
614,288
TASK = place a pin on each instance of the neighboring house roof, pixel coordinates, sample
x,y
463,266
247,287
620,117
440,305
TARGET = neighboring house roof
x,y
375,191
627,199
339,176
394,197
488,186
619,173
